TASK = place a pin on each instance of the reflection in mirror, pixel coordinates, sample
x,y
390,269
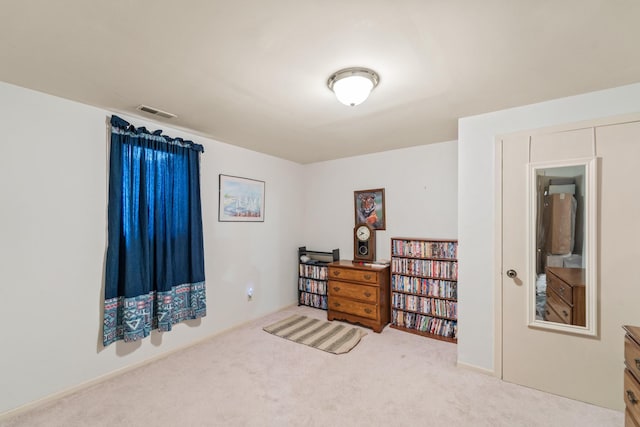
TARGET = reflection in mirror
x,y
562,198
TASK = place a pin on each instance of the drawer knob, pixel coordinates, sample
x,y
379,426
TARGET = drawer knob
x,y
631,397
337,304
368,294
367,310
367,276
562,290
564,312
336,273
336,288
637,363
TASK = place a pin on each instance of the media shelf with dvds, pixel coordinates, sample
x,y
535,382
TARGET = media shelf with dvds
x,y
424,287
313,275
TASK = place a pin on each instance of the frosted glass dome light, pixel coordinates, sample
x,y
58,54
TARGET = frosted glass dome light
x,y
352,86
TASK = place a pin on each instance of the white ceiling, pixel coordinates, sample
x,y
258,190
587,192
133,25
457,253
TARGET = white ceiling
x,y
253,73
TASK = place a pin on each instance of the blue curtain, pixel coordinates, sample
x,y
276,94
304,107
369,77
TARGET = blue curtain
x,y
155,256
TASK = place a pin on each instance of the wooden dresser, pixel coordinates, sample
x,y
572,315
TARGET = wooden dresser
x,y
565,296
632,376
358,293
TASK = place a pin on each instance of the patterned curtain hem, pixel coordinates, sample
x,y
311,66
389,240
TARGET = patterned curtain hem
x,y
131,319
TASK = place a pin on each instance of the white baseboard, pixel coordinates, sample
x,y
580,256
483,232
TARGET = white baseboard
x,y
475,368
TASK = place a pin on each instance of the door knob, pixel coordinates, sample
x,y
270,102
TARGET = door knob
x,y
512,273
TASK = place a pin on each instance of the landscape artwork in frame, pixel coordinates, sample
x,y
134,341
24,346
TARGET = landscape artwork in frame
x,y
369,207
241,199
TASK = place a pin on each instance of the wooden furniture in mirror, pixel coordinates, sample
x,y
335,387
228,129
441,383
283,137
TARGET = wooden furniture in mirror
x,y
565,296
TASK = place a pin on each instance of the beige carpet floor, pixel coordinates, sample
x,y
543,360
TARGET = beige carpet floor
x,y
248,377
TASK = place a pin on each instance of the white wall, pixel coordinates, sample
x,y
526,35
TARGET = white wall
x,y
53,191
420,196
476,203
53,187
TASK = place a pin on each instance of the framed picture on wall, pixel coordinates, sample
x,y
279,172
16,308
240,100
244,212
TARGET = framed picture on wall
x,y
241,199
369,207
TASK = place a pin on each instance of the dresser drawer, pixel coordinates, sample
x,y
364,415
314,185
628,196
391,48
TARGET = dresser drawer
x,y
561,288
353,307
550,315
563,309
629,421
349,290
631,394
632,356
353,275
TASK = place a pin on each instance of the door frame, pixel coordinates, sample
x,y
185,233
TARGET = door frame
x,y
497,265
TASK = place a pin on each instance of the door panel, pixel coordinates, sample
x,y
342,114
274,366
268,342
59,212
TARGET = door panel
x,y
572,144
579,367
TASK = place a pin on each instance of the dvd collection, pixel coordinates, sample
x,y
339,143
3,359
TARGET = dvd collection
x,y
424,287
313,300
425,249
419,322
425,305
425,268
420,285
313,286
314,271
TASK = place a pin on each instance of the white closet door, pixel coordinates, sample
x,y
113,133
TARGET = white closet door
x,y
580,367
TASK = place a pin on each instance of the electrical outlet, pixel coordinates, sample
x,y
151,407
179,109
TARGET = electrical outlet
x,y
249,293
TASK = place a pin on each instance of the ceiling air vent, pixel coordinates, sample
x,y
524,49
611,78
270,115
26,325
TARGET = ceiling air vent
x,y
156,112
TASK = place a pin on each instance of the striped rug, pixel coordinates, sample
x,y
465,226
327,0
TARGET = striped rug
x,y
333,337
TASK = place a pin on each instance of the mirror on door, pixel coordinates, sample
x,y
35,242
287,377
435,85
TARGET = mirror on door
x,y
562,236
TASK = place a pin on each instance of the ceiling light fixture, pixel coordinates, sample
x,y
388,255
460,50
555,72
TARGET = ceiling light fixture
x,y
352,86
